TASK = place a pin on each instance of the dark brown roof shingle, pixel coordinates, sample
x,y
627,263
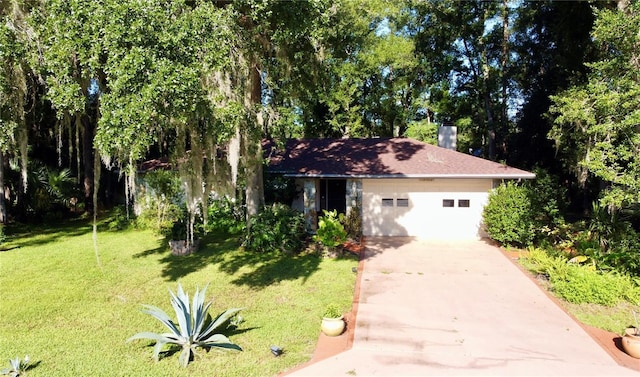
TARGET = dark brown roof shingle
x,y
381,157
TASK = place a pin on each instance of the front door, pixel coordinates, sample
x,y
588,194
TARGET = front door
x,y
333,195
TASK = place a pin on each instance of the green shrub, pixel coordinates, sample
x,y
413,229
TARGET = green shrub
x,y
161,219
160,206
279,189
623,254
331,232
225,215
118,219
542,263
509,216
194,327
276,227
583,285
548,198
353,223
606,226
611,240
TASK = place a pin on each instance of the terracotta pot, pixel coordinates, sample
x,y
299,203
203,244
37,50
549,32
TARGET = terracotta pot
x,y
332,326
631,343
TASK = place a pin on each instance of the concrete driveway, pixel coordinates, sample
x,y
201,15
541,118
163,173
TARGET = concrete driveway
x,y
459,308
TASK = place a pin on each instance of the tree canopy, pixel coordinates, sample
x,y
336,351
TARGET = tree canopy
x,y
597,124
111,83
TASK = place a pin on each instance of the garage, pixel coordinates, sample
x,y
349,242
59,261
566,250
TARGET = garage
x,y
425,208
401,186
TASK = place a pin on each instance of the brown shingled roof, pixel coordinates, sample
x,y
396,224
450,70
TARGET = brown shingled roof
x,y
381,157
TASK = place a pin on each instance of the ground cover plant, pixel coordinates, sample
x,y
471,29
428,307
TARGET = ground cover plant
x,y
72,316
602,299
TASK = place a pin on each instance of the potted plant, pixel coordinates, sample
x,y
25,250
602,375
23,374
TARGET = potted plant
x,y
332,321
631,339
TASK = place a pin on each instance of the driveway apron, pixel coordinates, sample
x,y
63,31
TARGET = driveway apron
x,y
459,308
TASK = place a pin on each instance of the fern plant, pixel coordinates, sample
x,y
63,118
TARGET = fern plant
x,y
194,327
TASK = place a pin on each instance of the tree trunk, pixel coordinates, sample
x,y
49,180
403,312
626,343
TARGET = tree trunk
x,y
3,208
87,160
253,148
505,58
486,93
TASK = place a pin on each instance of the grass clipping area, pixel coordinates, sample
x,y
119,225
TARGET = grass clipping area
x,y
73,317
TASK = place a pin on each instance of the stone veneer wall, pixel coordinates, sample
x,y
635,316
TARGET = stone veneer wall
x,y
310,213
354,194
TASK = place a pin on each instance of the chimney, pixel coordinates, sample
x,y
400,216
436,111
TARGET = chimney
x,y
447,136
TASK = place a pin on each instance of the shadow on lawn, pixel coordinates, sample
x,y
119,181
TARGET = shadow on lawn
x,y
29,234
23,235
255,270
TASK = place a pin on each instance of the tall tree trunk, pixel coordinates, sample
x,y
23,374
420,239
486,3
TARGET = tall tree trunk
x,y
3,208
87,160
486,93
253,147
505,58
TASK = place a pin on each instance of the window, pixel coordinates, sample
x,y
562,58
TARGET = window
x,y
448,203
402,202
386,202
464,203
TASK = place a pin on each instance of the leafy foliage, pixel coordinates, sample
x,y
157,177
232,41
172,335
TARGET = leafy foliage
x,y
577,283
194,327
332,311
596,124
353,222
423,131
331,232
616,244
118,219
587,286
509,216
49,191
276,227
548,199
226,216
161,202
279,189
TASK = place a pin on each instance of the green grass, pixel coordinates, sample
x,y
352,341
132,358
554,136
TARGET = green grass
x,y
73,316
611,318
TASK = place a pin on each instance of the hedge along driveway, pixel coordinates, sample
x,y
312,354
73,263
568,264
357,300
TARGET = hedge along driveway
x,y
73,316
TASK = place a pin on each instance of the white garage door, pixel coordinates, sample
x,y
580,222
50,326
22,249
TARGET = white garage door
x,y
425,208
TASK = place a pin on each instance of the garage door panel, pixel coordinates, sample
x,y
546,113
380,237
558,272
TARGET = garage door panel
x,y
421,213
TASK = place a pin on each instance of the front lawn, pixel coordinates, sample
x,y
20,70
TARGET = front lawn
x,y
72,311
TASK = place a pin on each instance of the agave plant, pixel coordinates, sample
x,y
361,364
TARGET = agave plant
x,y
18,367
194,328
